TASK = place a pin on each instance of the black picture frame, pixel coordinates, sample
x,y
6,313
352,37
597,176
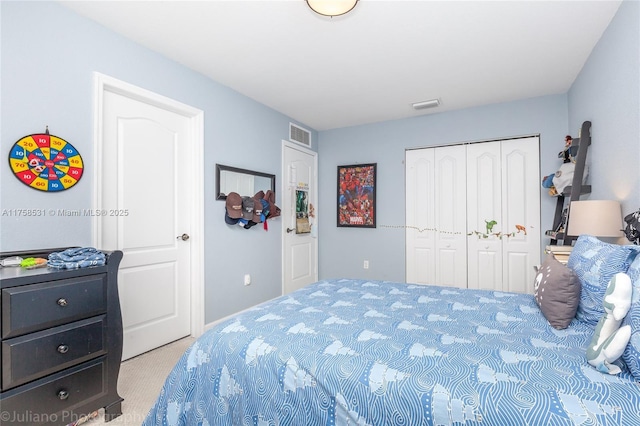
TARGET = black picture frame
x,y
356,196
268,180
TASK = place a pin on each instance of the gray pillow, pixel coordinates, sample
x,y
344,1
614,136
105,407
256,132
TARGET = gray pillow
x,y
557,292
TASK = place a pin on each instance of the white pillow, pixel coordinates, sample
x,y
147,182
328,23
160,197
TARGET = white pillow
x,y
609,339
631,355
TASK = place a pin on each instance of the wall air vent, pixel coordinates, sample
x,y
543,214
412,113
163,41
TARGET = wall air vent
x,y
299,135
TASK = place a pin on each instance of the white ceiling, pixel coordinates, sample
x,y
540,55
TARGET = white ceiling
x,y
373,63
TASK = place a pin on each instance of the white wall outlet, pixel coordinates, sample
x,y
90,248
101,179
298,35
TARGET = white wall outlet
x,y
366,264
247,279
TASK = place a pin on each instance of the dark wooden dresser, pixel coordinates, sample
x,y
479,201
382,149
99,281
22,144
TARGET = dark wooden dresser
x,y
61,342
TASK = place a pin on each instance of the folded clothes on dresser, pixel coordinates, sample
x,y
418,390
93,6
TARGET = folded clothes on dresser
x,y
79,257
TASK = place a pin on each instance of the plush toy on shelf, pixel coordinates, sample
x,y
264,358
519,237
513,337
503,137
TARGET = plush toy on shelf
x,y
558,181
568,153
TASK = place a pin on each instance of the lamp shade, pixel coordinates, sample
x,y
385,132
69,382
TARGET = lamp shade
x,y
331,7
600,218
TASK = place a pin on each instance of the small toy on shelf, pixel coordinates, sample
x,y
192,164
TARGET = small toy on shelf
x,y
568,153
558,181
33,262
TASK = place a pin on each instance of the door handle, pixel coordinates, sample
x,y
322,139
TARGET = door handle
x,y
289,230
183,237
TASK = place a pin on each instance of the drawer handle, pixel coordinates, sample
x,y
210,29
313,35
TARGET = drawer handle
x,y
63,394
63,349
62,302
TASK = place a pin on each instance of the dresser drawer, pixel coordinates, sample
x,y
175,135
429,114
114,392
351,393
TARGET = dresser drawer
x,y
52,401
51,350
38,306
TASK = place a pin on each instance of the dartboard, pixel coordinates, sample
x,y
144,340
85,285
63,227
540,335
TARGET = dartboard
x,y
46,162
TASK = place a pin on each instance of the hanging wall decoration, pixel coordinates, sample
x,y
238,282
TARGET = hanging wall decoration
x,y
357,195
46,162
303,226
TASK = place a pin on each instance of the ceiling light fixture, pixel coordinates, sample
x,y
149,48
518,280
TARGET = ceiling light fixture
x,y
331,7
432,103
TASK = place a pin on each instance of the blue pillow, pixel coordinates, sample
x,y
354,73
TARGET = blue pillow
x,y
631,355
595,263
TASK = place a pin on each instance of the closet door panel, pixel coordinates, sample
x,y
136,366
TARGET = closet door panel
x,y
484,206
424,271
521,212
420,216
450,215
448,269
518,276
489,274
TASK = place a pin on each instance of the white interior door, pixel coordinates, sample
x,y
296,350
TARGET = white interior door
x,y
450,211
521,212
146,194
503,186
436,251
300,243
454,194
420,234
484,205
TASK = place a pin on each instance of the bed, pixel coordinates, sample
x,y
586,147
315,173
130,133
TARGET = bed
x,y
361,352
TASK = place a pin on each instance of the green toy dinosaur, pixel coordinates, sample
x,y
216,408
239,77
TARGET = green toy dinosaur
x,y
490,225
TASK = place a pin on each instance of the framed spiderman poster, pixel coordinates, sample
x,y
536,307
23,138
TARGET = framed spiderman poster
x,y
357,195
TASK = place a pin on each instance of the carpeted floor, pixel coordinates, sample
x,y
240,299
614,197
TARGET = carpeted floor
x,y
140,381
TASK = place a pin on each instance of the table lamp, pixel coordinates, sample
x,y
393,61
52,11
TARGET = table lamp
x,y
600,218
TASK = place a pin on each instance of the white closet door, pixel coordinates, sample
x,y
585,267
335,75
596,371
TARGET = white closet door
x,y
521,208
484,205
458,190
420,216
503,185
435,216
451,213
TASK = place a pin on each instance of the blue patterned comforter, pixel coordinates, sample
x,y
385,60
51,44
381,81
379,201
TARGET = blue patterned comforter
x,y
354,352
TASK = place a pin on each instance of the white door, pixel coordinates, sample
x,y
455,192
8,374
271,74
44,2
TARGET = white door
x,y
450,204
436,251
299,217
484,206
520,212
420,231
503,186
145,192
454,196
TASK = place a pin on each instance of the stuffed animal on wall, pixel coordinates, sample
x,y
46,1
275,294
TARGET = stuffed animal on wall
x,y
568,154
609,339
556,182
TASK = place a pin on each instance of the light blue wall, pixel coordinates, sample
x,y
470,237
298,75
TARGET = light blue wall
x,y
607,92
49,55
342,250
